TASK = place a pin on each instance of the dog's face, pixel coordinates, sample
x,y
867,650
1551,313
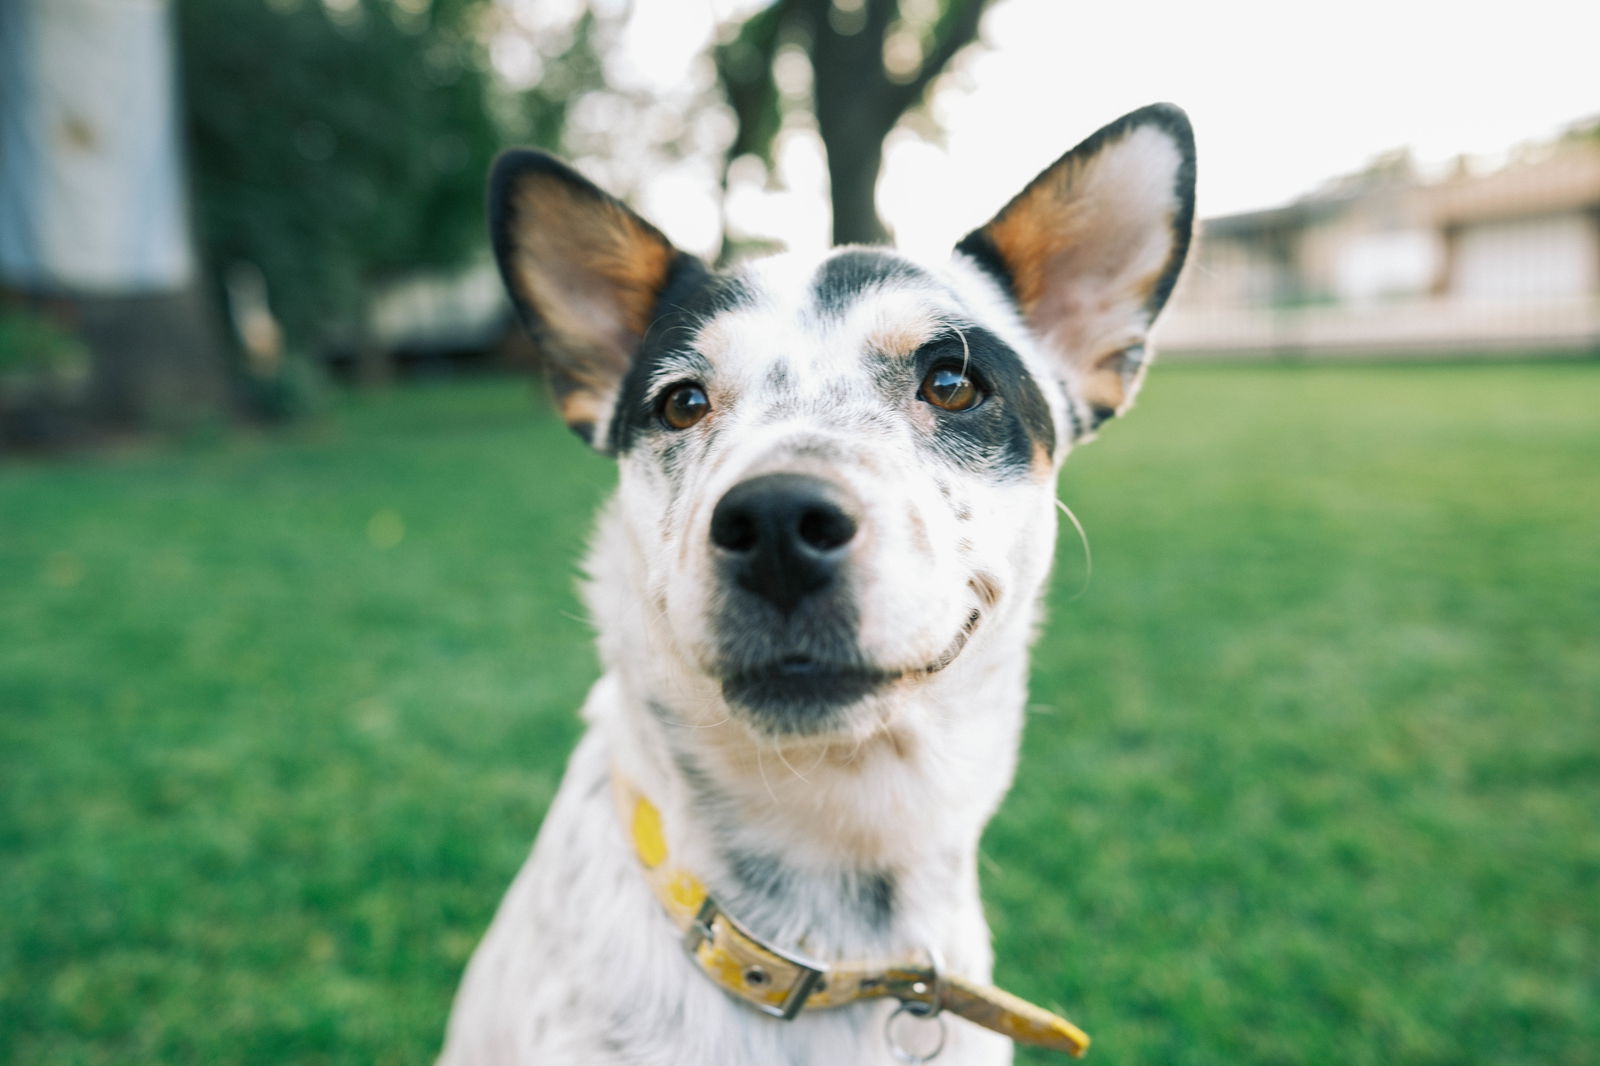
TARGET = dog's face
x,y
833,476
837,478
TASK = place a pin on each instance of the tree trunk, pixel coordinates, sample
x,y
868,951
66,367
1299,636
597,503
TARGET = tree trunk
x,y
854,114
853,178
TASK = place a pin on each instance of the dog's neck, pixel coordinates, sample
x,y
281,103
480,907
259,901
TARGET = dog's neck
x,y
843,846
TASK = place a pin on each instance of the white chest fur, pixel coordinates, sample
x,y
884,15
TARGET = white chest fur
x,y
581,966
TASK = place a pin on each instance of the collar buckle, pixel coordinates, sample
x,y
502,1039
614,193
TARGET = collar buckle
x,y
807,973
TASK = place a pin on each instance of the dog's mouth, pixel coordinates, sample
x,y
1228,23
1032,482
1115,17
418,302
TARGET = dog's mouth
x,y
957,646
800,683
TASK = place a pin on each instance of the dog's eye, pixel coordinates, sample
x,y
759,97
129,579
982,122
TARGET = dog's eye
x,y
949,388
684,405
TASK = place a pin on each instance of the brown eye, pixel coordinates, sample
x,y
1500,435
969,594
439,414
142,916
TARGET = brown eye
x,y
949,388
684,405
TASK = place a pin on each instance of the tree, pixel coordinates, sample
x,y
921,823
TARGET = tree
x,y
871,60
332,145
338,144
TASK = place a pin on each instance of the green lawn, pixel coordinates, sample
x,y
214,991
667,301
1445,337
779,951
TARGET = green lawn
x,y
1312,775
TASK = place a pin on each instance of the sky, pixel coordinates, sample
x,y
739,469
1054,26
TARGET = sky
x,y
1282,95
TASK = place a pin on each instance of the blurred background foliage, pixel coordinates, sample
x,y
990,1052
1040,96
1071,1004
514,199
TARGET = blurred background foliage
x,y
335,152
336,146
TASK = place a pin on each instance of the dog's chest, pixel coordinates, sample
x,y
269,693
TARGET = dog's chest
x,y
581,966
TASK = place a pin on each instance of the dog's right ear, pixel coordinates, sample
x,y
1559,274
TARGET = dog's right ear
x,y
585,274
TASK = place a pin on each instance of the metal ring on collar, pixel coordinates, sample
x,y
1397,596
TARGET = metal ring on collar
x,y
916,1010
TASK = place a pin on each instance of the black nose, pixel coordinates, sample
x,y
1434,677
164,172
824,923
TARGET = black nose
x,y
783,536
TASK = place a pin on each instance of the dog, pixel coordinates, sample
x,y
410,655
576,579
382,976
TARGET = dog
x,y
814,589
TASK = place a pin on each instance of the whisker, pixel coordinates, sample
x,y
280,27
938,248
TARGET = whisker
x,y
762,770
778,751
1083,538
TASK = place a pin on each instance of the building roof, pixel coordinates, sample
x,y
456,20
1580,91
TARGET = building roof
x,y
1565,178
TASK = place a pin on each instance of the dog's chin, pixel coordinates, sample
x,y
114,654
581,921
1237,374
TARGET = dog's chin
x,y
803,696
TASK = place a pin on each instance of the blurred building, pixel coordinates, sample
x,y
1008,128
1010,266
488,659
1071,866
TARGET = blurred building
x,y
94,228
1383,261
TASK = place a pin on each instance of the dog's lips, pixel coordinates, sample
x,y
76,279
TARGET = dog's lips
x,y
957,645
797,682
803,666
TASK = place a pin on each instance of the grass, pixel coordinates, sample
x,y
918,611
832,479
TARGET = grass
x,y
1312,775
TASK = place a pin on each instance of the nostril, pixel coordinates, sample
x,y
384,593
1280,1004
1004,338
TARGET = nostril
x,y
826,528
733,530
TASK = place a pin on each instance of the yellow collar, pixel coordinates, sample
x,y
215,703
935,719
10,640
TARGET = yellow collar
x,y
783,982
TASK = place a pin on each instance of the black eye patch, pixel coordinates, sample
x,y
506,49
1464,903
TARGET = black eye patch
x,y
1010,428
692,297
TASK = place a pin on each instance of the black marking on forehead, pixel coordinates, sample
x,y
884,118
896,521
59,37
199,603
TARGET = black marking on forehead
x,y
1011,427
844,278
692,296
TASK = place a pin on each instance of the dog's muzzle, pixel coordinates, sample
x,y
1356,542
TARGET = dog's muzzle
x,y
781,544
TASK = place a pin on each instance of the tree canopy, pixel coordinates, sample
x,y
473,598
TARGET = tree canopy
x,y
335,143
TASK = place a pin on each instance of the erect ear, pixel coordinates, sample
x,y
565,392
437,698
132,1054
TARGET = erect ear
x,y
1091,248
585,274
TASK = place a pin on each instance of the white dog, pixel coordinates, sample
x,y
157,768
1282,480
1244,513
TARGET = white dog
x,y
815,588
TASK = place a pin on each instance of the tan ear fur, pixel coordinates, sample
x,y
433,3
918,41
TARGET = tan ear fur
x,y
585,273
1092,247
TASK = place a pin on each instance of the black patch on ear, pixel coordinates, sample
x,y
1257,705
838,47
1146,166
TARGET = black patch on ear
x,y
981,250
692,296
842,279
1001,434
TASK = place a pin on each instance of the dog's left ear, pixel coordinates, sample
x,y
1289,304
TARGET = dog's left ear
x,y
586,275
1091,249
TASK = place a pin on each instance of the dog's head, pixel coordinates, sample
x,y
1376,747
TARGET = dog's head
x,y
838,478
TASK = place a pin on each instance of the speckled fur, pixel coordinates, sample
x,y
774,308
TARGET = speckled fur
x,y
855,835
